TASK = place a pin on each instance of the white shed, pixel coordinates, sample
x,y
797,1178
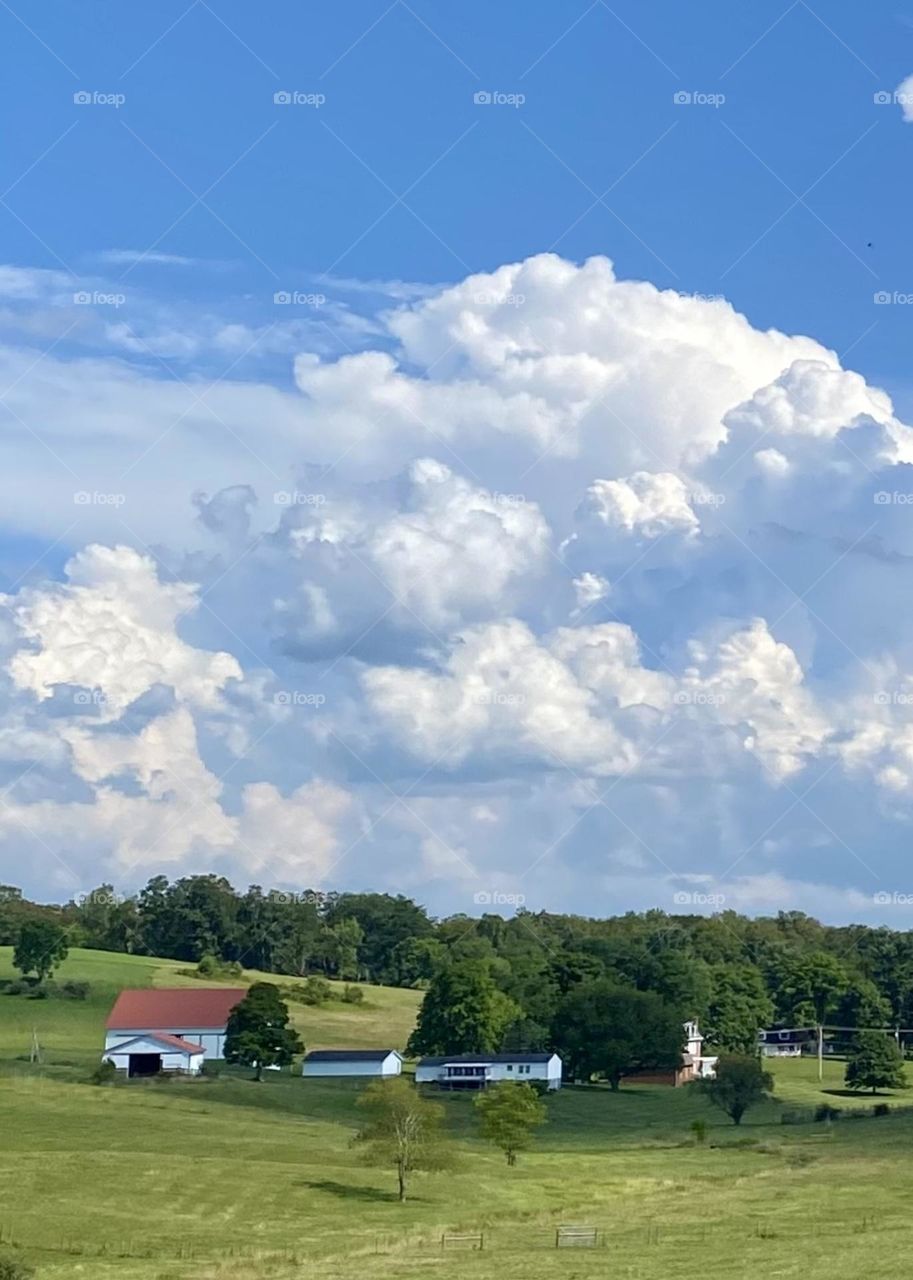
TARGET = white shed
x,y
476,1070
352,1062
147,1055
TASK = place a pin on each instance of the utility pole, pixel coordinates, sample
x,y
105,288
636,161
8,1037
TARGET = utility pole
x,y
820,1051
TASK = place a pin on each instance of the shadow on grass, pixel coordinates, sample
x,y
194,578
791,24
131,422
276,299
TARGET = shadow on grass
x,y
349,1192
861,1095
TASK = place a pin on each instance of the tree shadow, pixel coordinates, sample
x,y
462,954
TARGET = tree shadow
x,y
859,1094
348,1191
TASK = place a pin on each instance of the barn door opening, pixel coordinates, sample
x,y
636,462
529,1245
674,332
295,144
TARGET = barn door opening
x,y
144,1064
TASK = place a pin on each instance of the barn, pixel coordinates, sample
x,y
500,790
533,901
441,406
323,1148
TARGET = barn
x,y
148,1055
196,1016
352,1062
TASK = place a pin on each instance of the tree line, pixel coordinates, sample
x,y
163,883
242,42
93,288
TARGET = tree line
x,y
610,994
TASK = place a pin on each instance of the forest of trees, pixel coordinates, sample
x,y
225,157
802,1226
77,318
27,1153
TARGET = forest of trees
x,y
533,981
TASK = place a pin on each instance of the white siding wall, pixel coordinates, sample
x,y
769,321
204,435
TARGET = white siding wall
x,y
391,1066
172,1059
211,1041
549,1071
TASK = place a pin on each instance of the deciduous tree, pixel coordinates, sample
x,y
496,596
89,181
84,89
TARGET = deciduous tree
x,y
41,947
508,1114
402,1130
258,1034
876,1063
740,1083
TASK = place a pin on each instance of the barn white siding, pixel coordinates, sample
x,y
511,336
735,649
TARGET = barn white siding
x,y
212,1041
172,1059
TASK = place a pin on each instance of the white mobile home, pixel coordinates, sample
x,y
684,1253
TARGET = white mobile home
x,y
352,1062
476,1070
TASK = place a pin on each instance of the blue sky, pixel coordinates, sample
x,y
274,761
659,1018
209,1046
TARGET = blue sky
x,y
295,188
362,525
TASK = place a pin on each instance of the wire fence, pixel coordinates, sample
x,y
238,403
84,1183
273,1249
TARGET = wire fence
x,y
491,1239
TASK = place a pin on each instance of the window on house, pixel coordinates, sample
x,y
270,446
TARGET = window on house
x,y
510,1066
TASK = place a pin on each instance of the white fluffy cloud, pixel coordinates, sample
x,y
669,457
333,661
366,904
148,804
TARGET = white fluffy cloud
x,y
112,628
554,536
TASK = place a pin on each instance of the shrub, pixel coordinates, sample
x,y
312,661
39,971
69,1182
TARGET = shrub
x,y
210,966
881,1109
796,1117
104,1073
699,1129
13,1268
207,966
825,1112
314,991
73,990
352,995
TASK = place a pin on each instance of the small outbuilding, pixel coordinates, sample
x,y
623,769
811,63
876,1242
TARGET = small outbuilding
x,y
352,1062
150,1055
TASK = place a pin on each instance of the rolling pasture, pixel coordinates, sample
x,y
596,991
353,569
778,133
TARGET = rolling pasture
x,y
230,1178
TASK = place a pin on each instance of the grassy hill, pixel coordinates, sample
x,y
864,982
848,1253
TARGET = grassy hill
x,y
253,1181
72,1031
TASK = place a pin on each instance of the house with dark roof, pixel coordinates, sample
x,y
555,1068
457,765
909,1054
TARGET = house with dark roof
x,y
352,1062
194,1016
476,1070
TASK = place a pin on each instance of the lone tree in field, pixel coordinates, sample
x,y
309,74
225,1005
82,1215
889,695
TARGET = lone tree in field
x,y
508,1113
876,1063
258,1034
41,947
740,1083
403,1130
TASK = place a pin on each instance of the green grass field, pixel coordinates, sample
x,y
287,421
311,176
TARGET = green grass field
x,y
249,1181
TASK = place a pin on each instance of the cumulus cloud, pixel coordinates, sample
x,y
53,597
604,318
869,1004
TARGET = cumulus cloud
x,y
554,536
904,95
112,628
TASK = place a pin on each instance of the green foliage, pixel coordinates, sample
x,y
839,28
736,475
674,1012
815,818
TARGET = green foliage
x,y
462,1012
739,1008
403,1130
699,1129
353,995
258,1034
740,1083
40,948
508,1113
104,1073
810,985
875,1063
14,1268
602,1029
210,966
73,989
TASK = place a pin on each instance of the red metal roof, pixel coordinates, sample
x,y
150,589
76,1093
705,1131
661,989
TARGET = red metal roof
x,y
174,1009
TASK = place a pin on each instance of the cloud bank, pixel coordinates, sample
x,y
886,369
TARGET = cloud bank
x,y
565,583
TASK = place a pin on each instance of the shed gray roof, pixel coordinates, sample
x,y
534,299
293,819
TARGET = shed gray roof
x,y
349,1055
